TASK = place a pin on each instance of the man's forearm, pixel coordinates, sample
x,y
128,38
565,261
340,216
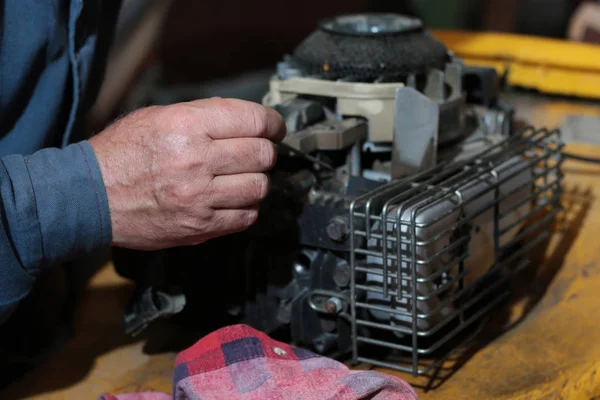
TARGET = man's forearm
x,y
53,206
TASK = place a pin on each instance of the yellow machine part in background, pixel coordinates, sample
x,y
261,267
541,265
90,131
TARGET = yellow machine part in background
x,y
551,66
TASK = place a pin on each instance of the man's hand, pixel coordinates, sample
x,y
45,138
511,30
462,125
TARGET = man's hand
x,y
185,173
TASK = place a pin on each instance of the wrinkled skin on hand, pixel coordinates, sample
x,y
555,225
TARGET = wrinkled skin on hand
x,y
185,173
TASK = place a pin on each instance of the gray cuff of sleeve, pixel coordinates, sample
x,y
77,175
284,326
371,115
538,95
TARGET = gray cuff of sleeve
x,y
72,205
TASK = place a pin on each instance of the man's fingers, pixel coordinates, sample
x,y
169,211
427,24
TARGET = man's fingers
x,y
233,221
245,155
238,191
231,118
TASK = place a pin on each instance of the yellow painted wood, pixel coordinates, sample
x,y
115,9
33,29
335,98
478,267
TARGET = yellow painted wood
x,y
549,65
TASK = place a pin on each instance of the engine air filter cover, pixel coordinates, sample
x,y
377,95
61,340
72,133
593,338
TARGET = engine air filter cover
x,y
371,24
367,47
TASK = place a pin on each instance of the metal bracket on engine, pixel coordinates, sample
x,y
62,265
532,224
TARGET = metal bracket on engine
x,y
329,135
416,120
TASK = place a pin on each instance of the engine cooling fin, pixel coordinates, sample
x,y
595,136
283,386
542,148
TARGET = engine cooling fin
x,y
368,47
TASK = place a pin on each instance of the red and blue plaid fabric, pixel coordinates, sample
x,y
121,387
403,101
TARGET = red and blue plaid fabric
x,y
239,362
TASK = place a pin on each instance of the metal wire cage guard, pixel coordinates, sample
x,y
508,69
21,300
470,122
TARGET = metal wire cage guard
x,y
432,254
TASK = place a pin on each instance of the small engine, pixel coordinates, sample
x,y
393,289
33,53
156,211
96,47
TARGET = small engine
x,y
403,201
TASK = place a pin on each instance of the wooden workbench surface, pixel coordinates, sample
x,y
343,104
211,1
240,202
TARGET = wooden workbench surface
x,y
552,352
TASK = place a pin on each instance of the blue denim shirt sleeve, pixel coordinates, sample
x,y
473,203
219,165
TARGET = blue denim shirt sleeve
x,y
53,203
53,207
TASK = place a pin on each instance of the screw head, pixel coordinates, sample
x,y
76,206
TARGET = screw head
x,y
337,229
341,274
333,305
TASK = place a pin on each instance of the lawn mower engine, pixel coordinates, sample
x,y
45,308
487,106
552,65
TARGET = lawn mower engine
x,y
402,203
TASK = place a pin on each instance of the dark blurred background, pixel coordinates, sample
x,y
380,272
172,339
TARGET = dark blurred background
x,y
171,50
211,39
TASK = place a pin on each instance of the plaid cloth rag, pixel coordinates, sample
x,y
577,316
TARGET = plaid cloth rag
x,y
238,362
